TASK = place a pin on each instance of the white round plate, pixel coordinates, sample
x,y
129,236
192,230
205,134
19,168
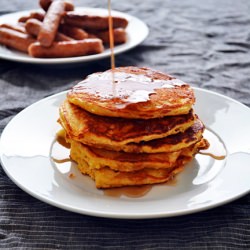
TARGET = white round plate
x,y
27,142
137,31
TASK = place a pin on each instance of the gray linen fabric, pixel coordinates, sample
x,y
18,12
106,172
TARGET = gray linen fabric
x,y
205,43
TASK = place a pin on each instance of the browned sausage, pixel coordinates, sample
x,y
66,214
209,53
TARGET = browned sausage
x,y
36,15
120,36
93,22
16,27
90,35
46,3
15,39
67,48
62,37
51,23
74,32
23,19
33,27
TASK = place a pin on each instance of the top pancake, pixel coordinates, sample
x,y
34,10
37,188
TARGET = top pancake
x,y
132,92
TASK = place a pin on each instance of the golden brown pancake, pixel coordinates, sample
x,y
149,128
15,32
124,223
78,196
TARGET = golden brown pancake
x,y
138,93
170,143
127,162
106,177
121,161
131,126
116,133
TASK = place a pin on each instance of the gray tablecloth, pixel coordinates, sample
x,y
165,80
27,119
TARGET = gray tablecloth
x,y
205,43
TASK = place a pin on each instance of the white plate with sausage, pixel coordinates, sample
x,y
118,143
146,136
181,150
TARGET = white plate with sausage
x,y
137,31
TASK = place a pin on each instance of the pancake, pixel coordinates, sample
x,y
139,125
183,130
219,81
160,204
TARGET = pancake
x,y
170,143
128,162
115,133
106,177
121,161
131,126
136,93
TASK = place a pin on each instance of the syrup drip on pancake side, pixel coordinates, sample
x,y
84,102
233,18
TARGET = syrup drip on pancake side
x,y
217,149
216,157
130,88
61,140
57,154
61,160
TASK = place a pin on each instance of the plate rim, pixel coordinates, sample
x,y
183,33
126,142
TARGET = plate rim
x,y
80,59
113,215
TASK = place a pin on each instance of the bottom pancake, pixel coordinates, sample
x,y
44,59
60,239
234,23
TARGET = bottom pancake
x,y
106,177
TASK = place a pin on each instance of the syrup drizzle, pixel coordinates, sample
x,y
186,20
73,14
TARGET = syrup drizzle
x,y
129,87
132,191
61,160
111,45
217,149
61,140
216,157
60,146
136,191
111,37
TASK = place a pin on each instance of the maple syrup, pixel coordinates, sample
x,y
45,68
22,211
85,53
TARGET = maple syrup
x,y
131,191
111,37
217,149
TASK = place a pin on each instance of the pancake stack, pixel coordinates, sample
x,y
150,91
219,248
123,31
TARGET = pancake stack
x,y
131,126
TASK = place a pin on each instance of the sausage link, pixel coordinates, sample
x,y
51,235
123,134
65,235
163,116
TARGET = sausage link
x,y
51,23
67,48
74,32
46,3
15,39
36,15
119,35
16,27
93,22
33,27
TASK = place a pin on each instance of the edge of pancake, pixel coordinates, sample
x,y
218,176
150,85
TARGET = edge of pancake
x,y
170,143
121,161
161,103
108,178
99,131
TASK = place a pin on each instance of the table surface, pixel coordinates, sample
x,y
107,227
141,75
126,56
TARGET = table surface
x,y
205,43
